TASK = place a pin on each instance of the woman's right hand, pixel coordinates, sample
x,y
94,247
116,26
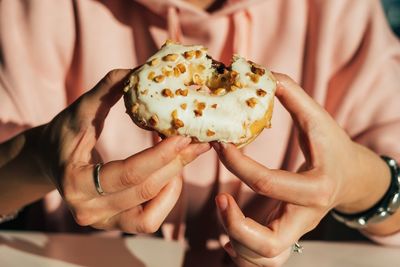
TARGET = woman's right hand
x,y
140,190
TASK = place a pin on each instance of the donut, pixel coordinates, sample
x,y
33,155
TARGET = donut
x,y
181,90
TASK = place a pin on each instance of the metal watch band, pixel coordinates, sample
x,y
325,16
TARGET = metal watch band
x,y
384,208
8,217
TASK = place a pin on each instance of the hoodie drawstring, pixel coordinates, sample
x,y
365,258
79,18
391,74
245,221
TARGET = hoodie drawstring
x,y
173,24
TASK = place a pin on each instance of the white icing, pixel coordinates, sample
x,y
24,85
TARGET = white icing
x,y
230,120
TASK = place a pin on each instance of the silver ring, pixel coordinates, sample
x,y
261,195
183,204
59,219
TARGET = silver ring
x,y
297,248
96,176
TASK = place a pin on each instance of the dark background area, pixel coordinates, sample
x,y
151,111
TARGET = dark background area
x,y
392,10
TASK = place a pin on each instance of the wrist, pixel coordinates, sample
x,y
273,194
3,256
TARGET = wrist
x,y
21,177
383,211
372,182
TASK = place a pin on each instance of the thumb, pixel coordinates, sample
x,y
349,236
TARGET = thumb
x,y
228,209
97,102
304,110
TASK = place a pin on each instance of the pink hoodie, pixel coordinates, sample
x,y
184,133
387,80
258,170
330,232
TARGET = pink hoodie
x,y
342,53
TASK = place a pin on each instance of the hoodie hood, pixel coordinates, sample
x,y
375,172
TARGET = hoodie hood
x,y
224,31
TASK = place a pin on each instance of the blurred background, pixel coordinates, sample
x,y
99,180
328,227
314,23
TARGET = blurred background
x,y
392,10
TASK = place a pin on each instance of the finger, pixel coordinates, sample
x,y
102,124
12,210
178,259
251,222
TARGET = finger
x,y
89,111
246,257
98,101
115,176
304,110
135,170
149,218
278,184
246,231
267,241
113,204
122,174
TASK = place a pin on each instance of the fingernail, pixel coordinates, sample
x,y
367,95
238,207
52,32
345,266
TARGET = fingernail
x,y
183,142
222,202
229,249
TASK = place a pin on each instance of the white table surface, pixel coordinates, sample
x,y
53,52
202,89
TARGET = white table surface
x,y
70,250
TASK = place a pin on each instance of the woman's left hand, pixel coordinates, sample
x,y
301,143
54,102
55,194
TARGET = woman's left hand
x,y
337,173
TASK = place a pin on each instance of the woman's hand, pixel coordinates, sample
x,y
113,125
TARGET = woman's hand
x,y
337,173
140,190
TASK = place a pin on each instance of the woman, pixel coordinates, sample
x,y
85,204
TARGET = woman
x,y
342,54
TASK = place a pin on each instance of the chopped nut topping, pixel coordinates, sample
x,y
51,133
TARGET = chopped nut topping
x,y
198,53
174,114
238,84
177,123
251,102
233,88
183,106
153,120
201,67
197,80
253,77
170,57
176,72
144,92
258,71
234,74
201,105
169,42
159,78
261,92
154,62
135,108
219,91
214,105
166,72
189,54
181,67
151,75
210,133
167,93
182,92
198,113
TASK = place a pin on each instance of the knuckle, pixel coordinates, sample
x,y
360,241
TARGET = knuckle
x,y
70,189
83,217
148,190
129,176
165,156
111,77
270,251
148,225
263,185
126,178
324,198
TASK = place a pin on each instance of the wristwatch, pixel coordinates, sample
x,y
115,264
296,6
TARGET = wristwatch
x,y
385,207
8,217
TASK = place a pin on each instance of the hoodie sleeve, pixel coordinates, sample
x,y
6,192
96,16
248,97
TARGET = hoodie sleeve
x,y
364,93
36,49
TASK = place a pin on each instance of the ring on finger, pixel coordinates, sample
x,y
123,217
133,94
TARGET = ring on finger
x,y
297,248
96,177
